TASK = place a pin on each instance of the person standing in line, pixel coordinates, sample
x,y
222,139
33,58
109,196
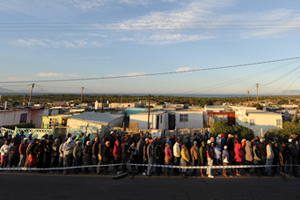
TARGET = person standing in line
x,y
95,151
117,153
32,158
78,155
67,149
249,156
256,158
159,157
217,154
225,159
238,157
295,157
270,157
195,157
185,159
87,156
54,154
39,150
203,157
86,138
210,157
22,151
263,153
14,155
151,156
106,156
177,155
168,157
140,146
145,156
47,154
4,150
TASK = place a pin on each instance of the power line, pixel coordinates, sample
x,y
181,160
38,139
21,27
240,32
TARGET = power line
x,y
156,74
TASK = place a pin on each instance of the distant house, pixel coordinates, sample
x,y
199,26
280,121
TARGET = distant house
x,y
188,118
56,120
33,115
158,119
93,121
227,117
257,120
124,105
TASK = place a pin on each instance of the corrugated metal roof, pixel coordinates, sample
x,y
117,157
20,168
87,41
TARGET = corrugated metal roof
x,y
95,117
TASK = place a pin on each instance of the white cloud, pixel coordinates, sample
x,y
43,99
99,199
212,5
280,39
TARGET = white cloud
x,y
73,75
83,43
138,74
184,69
50,74
174,38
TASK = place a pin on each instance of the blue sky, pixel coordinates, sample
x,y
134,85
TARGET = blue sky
x,y
104,38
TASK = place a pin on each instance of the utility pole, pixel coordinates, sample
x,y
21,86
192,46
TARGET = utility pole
x,y
149,113
296,113
102,97
32,86
82,93
248,96
122,97
257,85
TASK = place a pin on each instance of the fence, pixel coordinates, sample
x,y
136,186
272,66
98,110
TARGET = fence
x,y
36,132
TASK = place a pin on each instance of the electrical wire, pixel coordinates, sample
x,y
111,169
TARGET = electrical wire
x,y
156,74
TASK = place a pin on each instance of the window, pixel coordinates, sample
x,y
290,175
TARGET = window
x,y
23,118
252,123
184,118
53,122
278,122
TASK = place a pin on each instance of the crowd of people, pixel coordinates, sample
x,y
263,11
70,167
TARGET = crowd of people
x,y
82,150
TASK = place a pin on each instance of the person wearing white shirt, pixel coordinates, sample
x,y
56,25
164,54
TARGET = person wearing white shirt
x,y
4,153
270,157
177,155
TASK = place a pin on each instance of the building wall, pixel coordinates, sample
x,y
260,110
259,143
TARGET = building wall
x,y
12,117
262,122
195,119
143,120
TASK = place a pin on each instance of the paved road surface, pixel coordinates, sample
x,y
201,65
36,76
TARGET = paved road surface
x,y
55,186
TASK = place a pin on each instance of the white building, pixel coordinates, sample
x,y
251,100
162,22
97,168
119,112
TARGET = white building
x,y
94,122
188,118
158,120
257,120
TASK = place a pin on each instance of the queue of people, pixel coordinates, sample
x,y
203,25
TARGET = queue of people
x,y
82,150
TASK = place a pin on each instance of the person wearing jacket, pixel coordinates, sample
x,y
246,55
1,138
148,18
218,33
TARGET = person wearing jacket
x,y
14,155
87,156
4,150
32,159
101,147
39,151
238,156
95,151
86,138
203,157
225,160
256,157
78,155
140,146
106,156
217,155
47,154
159,157
151,156
210,157
195,157
168,157
270,157
117,153
223,142
230,149
22,151
55,153
67,150
145,156
177,155
295,157
185,159
249,156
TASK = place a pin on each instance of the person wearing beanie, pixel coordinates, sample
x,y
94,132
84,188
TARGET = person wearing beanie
x,y
78,155
185,159
225,159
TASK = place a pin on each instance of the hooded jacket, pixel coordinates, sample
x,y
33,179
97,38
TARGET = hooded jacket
x,y
225,156
256,153
249,151
238,152
66,150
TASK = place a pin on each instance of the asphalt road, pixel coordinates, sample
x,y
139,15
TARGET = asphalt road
x,y
56,186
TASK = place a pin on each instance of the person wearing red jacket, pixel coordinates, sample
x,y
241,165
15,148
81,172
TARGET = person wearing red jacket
x,y
22,151
238,156
117,153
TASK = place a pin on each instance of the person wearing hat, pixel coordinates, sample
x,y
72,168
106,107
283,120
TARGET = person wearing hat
x,y
230,149
78,155
270,157
150,156
67,150
185,159
195,156
87,156
203,157
210,157
106,156
22,151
